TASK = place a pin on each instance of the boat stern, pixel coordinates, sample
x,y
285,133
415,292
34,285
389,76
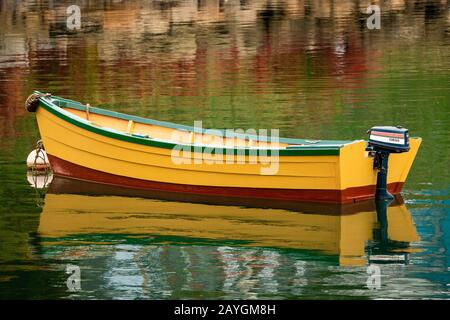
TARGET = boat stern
x,y
358,175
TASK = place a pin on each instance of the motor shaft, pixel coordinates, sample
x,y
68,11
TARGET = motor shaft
x,y
382,159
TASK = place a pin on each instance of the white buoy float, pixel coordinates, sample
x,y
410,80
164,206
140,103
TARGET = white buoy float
x,y
37,160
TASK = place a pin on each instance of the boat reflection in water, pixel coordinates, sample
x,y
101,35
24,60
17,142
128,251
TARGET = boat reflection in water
x,y
356,234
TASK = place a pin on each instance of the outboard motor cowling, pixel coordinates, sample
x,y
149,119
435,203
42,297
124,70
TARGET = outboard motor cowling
x,y
392,139
382,142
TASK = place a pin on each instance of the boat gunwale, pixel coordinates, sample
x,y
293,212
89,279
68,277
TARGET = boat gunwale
x,y
326,148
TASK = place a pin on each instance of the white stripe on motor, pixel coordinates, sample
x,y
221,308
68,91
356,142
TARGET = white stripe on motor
x,y
387,139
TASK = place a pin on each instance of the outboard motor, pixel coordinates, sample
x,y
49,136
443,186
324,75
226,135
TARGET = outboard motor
x,y
382,142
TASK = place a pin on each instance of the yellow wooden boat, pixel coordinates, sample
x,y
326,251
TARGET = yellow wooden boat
x,y
94,144
70,212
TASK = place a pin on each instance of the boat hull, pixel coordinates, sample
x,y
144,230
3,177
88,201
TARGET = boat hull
x,y
341,176
67,169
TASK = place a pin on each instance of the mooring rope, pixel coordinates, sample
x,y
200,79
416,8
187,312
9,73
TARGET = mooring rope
x,y
32,101
36,174
40,155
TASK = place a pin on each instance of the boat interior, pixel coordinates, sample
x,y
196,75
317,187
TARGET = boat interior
x,y
180,134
